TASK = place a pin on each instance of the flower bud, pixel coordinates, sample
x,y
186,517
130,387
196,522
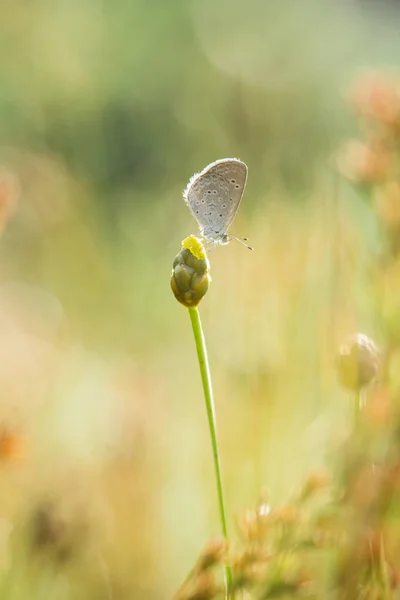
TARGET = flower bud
x,y
190,276
358,362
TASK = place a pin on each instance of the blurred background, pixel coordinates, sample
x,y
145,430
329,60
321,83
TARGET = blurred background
x,y
106,110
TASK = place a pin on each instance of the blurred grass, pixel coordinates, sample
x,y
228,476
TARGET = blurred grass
x,y
106,111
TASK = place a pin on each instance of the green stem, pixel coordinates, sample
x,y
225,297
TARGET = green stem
x,y
357,407
208,395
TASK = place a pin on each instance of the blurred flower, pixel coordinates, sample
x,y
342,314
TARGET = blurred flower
x,y
11,444
190,276
287,514
358,362
377,96
249,567
365,163
364,486
214,553
9,195
314,483
253,524
202,587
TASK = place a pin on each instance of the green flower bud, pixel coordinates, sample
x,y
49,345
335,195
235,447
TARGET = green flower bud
x,y
190,276
358,362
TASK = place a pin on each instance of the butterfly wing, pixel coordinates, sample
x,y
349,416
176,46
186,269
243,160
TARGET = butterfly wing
x,y
214,194
234,173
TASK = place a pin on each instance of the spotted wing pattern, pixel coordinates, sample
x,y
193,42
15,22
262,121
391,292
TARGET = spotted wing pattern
x,y
214,195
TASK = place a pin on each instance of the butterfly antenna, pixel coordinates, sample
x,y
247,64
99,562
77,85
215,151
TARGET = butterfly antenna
x,y
241,241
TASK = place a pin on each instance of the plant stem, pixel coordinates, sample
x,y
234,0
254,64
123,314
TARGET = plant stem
x,y
210,407
357,407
